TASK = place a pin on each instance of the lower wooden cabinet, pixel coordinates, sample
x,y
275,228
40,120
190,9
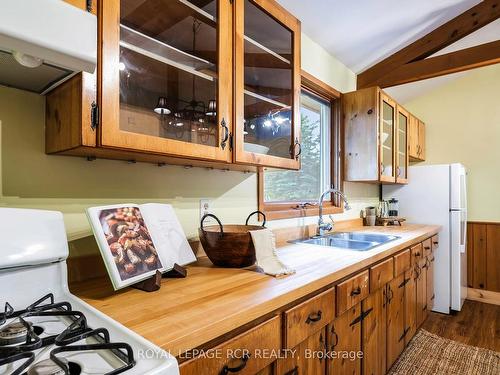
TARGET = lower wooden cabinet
x,y
374,335
430,282
410,305
306,358
240,352
344,339
395,319
376,320
421,285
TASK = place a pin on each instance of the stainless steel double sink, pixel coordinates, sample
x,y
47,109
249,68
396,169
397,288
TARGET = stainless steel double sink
x,y
357,241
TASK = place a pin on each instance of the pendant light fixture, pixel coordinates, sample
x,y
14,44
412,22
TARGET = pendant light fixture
x,y
162,106
212,108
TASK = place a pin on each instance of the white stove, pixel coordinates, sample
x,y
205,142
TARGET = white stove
x,y
44,329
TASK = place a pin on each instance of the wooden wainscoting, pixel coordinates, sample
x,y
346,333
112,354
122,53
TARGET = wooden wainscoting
x,y
483,256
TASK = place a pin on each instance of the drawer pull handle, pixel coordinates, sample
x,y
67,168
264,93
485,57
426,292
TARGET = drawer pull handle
x,y
226,369
417,253
427,247
436,243
356,292
294,371
314,317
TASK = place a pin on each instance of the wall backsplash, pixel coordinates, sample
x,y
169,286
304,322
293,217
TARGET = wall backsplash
x,y
32,179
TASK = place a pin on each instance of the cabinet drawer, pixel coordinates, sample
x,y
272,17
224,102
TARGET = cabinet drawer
x,y
427,245
307,318
239,352
417,253
402,262
435,242
351,291
381,274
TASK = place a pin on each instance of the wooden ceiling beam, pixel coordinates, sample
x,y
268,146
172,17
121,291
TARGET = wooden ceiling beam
x,y
471,20
453,62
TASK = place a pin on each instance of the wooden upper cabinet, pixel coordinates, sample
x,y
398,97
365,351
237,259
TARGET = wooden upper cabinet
x,y
165,77
421,140
387,134
401,140
376,137
416,139
267,85
164,90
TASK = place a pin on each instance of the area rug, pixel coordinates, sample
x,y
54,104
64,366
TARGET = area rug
x,y
428,354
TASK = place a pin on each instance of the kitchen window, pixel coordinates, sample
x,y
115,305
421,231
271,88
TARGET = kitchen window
x,y
285,194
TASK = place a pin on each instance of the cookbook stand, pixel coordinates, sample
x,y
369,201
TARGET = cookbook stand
x,y
154,282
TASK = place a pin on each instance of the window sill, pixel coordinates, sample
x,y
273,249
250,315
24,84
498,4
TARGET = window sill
x,y
286,211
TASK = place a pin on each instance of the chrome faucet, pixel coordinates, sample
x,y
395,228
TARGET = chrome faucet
x,y
326,227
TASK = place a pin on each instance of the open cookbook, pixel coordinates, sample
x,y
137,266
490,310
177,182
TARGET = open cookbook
x,y
137,240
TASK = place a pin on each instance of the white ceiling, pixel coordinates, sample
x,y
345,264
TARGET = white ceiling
x,y
361,33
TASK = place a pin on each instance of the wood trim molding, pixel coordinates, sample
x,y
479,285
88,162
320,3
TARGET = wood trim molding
x,y
319,87
288,210
466,23
454,62
484,296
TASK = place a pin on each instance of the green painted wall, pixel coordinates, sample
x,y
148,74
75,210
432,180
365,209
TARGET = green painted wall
x,y
463,125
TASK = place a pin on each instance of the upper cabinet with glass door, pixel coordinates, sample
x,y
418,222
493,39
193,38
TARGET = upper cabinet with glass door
x,y
387,138
166,71
403,126
376,137
267,81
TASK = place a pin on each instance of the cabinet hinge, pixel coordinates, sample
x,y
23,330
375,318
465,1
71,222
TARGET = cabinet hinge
x,y
89,6
94,115
404,334
230,142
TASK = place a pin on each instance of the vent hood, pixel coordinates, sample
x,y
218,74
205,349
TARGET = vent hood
x,y
45,42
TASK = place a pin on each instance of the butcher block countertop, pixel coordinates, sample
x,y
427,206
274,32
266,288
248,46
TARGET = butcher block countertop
x,y
212,302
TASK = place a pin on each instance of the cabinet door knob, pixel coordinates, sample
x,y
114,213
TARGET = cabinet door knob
x,y
244,359
225,137
314,317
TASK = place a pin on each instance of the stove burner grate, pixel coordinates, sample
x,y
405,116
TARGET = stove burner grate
x,y
49,367
38,305
70,335
29,358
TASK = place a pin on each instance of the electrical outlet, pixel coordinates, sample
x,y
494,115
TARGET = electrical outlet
x,y
205,208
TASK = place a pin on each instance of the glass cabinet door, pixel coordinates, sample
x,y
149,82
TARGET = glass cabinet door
x,y
402,146
166,76
267,74
387,126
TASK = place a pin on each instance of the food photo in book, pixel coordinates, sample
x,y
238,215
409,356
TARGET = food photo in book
x,y
129,241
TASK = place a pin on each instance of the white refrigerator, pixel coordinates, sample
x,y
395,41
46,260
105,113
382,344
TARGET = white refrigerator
x,y
437,194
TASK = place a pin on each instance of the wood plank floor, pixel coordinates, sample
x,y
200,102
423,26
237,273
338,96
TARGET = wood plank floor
x,y
478,324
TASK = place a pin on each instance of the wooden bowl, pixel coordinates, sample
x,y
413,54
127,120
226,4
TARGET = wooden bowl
x,y
228,245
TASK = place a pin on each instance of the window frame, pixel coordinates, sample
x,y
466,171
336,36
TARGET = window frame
x,y
294,209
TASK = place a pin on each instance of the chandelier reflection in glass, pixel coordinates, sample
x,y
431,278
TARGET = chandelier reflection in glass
x,y
195,113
